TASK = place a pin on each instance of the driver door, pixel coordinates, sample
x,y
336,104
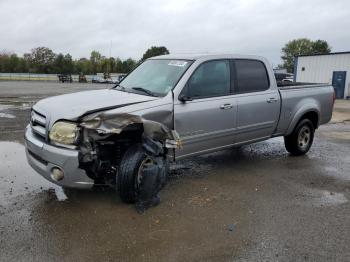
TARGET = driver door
x,y
206,121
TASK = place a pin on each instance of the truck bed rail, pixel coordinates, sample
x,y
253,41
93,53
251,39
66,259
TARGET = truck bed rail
x,y
298,85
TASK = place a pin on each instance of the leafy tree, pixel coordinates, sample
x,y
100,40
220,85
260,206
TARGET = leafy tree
x,y
63,64
112,64
12,63
95,59
59,63
155,51
104,65
118,65
302,46
4,61
128,65
3,58
22,65
321,47
68,65
42,60
83,65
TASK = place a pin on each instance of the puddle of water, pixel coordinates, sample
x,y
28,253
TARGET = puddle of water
x,y
325,198
4,115
339,172
331,169
5,105
330,199
16,176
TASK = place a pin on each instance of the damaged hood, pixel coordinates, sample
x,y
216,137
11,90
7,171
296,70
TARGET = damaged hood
x,y
72,106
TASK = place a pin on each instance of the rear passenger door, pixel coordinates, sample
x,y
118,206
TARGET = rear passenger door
x,y
258,103
206,120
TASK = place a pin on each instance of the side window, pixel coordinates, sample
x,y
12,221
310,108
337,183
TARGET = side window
x,y
210,79
251,76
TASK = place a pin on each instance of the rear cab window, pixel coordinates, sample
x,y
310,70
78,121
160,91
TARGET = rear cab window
x,y
250,76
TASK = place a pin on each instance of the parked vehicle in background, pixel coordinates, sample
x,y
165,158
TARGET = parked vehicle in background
x,y
98,79
284,77
170,107
112,80
116,79
108,80
121,77
82,78
65,78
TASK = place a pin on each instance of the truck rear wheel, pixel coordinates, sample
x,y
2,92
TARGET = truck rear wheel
x,y
300,140
129,177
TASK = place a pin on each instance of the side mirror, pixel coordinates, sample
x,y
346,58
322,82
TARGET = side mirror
x,y
184,98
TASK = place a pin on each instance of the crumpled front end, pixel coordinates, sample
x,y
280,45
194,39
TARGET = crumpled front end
x,y
106,137
80,152
116,124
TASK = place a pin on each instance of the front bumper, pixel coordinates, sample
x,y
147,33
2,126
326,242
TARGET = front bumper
x,y
42,157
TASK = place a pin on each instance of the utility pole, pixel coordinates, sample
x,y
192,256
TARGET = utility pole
x,y
109,60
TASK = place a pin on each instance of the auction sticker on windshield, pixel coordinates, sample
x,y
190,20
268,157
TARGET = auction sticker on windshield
x,y
177,63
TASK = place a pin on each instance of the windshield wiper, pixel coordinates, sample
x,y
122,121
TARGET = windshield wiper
x,y
121,87
144,90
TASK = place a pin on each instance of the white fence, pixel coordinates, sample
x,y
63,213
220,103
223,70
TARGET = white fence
x,y
44,77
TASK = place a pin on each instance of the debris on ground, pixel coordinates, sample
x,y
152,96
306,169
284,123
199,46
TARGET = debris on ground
x,y
231,227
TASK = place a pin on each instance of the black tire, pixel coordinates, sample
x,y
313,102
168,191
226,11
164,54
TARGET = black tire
x,y
128,171
300,140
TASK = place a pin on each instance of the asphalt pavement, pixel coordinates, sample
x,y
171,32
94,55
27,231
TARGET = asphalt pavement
x,y
255,203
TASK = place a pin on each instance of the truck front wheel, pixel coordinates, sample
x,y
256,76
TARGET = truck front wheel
x,y
300,140
131,166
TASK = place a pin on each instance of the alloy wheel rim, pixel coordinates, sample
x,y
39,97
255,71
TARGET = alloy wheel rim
x,y
144,164
304,137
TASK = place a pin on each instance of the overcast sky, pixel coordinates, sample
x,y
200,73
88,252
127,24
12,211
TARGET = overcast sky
x,y
246,26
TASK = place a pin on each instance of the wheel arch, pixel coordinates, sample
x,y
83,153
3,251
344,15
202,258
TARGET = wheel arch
x,y
308,112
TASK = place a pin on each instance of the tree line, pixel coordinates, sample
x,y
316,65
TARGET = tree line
x,y
42,60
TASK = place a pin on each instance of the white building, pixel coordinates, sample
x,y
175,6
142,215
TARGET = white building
x,y
333,68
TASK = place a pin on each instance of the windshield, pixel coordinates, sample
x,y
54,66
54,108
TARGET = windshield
x,y
157,76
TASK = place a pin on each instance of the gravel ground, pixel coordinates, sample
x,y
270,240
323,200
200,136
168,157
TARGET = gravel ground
x,y
256,203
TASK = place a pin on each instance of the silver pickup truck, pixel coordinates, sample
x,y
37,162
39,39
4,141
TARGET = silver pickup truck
x,y
170,107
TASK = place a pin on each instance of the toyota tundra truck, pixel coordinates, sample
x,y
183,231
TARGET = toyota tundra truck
x,y
168,108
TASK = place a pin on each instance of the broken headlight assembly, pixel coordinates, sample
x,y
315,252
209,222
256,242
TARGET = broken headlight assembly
x,y
64,133
92,123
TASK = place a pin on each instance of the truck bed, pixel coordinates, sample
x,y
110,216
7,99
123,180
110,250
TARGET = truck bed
x,y
296,97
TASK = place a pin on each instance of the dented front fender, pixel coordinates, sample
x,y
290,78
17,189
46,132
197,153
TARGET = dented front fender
x,y
156,122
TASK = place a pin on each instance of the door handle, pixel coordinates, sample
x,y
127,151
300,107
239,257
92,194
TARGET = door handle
x,y
226,106
272,100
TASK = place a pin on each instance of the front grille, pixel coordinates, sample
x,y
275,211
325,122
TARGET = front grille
x,y
38,123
